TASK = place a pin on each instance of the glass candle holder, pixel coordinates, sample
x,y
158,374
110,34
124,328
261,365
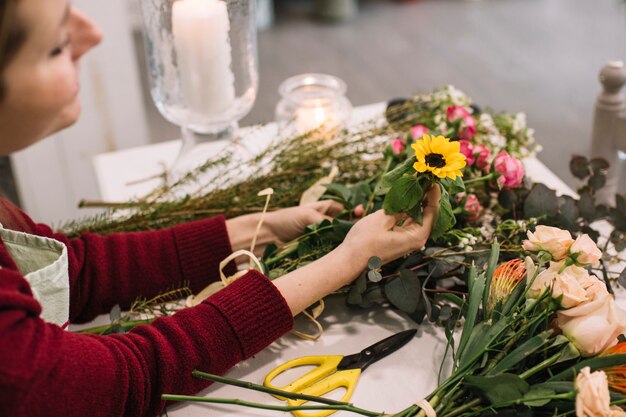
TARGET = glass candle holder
x,y
313,102
202,59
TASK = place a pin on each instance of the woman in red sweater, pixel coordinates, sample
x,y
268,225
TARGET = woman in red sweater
x,y
47,280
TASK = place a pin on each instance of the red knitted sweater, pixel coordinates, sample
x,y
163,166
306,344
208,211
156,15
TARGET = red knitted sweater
x,y
46,371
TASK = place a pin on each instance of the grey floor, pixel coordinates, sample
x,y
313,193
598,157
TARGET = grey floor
x,y
541,57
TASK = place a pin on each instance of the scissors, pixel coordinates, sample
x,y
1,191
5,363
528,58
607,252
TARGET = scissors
x,y
334,371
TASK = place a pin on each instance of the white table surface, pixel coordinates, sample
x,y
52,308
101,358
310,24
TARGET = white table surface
x,y
390,385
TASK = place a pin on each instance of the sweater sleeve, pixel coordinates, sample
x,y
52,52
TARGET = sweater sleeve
x,y
121,267
47,371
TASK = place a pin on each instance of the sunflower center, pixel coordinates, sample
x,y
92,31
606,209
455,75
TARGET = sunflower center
x,y
435,160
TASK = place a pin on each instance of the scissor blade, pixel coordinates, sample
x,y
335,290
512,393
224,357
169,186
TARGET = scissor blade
x,y
377,351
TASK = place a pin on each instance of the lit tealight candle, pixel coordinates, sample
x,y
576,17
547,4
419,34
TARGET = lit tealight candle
x,y
201,40
314,114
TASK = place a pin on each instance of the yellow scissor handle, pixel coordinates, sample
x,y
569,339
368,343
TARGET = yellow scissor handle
x,y
325,365
342,379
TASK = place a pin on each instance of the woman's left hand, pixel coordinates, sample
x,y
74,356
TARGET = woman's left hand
x,y
280,226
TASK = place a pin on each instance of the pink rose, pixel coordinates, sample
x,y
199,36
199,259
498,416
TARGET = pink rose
x,y
472,205
483,155
585,251
467,149
549,239
571,287
511,170
397,146
418,131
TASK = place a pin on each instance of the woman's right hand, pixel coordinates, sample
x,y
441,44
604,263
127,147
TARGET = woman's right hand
x,y
378,235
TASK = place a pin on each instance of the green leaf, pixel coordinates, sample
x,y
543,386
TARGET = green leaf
x,y
599,164
494,254
374,276
445,218
540,202
339,190
500,388
599,362
355,295
568,353
405,194
507,198
392,176
536,397
522,352
586,206
482,339
568,213
476,286
579,166
597,181
374,262
455,186
404,291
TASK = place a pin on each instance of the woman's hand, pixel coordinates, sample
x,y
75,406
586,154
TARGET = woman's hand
x,y
378,235
279,226
374,235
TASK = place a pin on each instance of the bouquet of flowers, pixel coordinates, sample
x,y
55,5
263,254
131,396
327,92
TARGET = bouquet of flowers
x,y
541,335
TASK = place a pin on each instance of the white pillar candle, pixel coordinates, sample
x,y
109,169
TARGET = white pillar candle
x,y
201,41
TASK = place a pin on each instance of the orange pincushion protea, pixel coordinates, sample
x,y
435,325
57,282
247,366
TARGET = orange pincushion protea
x,y
616,375
505,279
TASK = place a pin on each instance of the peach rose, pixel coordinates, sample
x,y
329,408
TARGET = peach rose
x,y
550,239
592,394
569,286
585,251
593,326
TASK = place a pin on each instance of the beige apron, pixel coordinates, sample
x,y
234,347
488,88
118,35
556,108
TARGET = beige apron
x,y
43,262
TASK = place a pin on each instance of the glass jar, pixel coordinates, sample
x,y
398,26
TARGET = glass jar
x,y
203,65
312,102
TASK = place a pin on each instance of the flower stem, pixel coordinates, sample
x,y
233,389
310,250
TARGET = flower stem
x,y
540,366
464,408
480,179
234,401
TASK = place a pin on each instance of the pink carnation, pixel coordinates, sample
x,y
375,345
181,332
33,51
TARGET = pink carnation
x,y
468,127
467,149
397,146
483,155
418,131
511,170
472,205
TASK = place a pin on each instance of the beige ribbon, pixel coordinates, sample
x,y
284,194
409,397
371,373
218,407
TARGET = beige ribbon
x,y
313,315
428,409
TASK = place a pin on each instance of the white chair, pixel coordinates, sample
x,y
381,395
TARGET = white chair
x,y
609,126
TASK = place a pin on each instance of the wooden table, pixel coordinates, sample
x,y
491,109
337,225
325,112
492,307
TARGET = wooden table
x,y
390,385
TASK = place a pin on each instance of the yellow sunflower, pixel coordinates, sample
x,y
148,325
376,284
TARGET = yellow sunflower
x,y
439,155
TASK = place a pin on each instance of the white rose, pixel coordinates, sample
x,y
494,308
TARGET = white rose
x,y
585,251
593,326
592,394
549,239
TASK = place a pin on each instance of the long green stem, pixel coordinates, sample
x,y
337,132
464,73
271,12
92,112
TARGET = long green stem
x,y
234,401
292,247
261,388
125,325
480,179
464,408
540,366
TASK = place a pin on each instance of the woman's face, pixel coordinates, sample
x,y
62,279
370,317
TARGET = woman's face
x,y
42,79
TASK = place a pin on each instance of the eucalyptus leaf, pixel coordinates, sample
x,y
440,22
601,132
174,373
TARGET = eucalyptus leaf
x,y
116,313
540,202
620,203
586,206
597,181
374,263
579,166
568,213
404,291
599,164
374,276
622,278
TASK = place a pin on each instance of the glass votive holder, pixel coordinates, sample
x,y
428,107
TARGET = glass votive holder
x,y
312,102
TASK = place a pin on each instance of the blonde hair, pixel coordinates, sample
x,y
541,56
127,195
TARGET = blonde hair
x,y
12,36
